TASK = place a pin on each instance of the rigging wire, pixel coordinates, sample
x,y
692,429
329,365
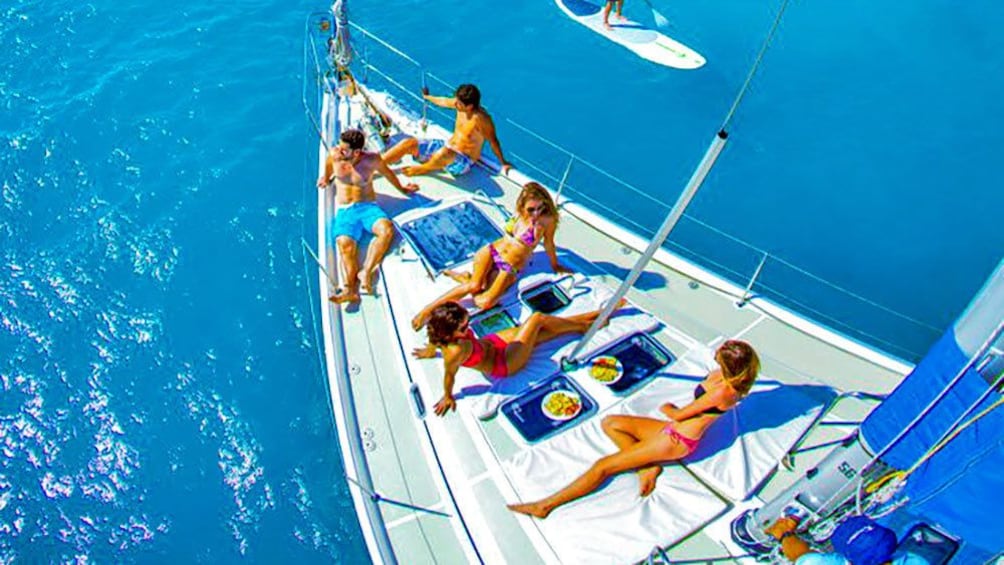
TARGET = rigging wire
x,y
756,65
690,190
897,478
919,324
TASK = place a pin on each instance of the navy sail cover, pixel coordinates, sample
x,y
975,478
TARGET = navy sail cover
x,y
959,485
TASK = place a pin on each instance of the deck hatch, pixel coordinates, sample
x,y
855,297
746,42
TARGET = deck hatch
x,y
450,236
526,415
642,357
491,321
553,295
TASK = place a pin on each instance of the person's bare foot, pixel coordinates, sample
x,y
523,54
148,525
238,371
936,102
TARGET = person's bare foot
x,y
366,280
647,478
462,277
535,509
345,295
607,26
413,171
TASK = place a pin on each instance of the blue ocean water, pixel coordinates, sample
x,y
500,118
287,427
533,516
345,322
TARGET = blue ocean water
x,y
162,395
863,153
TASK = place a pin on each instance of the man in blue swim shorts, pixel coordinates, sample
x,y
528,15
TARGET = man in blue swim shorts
x,y
457,155
351,169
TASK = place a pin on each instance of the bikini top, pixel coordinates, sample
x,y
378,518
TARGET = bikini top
x,y
528,236
477,350
713,410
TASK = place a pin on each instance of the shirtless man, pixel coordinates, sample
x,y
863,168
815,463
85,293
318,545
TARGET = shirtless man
x,y
473,127
352,171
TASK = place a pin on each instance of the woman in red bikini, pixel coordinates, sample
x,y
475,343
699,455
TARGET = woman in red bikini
x,y
496,355
497,265
645,444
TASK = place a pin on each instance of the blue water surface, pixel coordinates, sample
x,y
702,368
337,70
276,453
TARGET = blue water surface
x,y
861,160
162,395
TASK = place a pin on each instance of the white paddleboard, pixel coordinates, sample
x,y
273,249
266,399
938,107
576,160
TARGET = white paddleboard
x,y
646,42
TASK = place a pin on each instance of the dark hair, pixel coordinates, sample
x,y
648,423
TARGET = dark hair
x,y
469,94
355,138
444,321
740,365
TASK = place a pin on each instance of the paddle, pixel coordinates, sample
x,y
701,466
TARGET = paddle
x,y
661,21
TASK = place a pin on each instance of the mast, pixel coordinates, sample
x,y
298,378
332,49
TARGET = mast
x,y
689,191
703,168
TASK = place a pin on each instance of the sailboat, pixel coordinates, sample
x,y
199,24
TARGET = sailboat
x,y
430,489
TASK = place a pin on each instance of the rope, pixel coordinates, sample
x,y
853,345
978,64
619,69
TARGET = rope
x,y
949,437
756,65
897,478
341,51
370,108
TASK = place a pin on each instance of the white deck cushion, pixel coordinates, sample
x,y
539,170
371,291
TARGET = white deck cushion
x,y
744,446
613,525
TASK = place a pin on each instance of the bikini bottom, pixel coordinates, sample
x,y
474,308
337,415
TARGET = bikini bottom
x,y
689,443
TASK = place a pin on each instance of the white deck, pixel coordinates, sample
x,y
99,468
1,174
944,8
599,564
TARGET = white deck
x,y
468,468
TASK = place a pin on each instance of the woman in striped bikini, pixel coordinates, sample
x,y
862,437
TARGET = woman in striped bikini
x,y
497,265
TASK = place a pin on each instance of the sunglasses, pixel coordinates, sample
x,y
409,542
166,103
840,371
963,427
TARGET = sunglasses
x,y
535,209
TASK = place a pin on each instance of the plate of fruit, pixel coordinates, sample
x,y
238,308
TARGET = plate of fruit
x,y
606,369
561,405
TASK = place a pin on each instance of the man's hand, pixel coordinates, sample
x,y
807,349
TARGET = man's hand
x,y
444,405
428,351
322,182
782,526
505,168
409,189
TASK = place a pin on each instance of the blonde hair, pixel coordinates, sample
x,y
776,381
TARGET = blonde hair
x,y
740,365
535,191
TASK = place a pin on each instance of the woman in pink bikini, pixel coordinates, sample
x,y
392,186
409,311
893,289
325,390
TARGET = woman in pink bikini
x,y
496,355
645,444
497,265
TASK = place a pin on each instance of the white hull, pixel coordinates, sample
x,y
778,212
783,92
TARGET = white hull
x,y
468,467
